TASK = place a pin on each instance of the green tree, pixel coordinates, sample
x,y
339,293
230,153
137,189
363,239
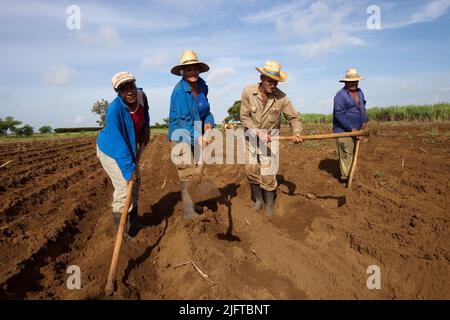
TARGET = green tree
x,y
9,123
234,112
166,122
3,127
26,130
99,108
45,129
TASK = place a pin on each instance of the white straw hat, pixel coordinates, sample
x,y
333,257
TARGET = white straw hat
x,y
351,75
189,57
272,69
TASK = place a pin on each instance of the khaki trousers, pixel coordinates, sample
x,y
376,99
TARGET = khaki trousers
x,y
119,183
260,167
346,148
182,155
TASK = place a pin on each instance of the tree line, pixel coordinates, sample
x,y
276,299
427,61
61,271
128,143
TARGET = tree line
x,y
10,126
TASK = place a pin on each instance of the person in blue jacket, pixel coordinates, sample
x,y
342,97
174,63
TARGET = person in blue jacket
x,y
189,118
126,129
349,114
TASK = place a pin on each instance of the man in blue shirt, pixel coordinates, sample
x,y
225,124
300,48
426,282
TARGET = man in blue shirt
x,y
349,114
118,142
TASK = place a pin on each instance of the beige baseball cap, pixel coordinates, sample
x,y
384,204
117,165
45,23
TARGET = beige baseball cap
x,y
121,77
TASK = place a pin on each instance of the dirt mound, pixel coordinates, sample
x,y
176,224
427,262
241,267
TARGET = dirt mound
x,y
55,212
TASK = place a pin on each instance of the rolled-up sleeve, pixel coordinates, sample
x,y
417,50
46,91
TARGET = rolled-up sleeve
x,y
245,113
293,117
210,120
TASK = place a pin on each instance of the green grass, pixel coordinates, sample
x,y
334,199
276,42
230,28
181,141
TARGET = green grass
x,y
433,112
47,136
425,113
434,132
158,131
316,118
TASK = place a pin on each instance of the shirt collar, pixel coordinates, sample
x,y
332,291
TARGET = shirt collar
x,y
256,91
346,90
187,88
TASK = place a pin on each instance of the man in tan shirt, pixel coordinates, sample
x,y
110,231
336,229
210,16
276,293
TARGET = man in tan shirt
x,y
261,108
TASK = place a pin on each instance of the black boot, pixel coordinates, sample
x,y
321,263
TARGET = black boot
x,y
270,197
257,196
134,225
116,220
190,209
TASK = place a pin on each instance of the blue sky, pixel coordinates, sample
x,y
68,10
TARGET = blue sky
x,y
52,75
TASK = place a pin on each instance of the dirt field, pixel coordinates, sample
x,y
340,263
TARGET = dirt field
x,y
55,212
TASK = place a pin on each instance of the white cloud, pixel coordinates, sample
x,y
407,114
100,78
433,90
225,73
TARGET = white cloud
x,y
270,15
323,26
320,19
404,16
105,35
108,36
220,76
432,11
155,60
60,75
314,50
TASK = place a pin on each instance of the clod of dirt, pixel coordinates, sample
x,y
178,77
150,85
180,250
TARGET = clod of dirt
x,y
311,196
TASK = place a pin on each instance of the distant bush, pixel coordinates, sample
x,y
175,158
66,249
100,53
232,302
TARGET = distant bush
x,y
82,129
26,130
158,125
45,129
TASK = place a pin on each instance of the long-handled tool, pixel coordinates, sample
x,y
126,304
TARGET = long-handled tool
x,y
326,135
333,136
205,189
109,289
353,167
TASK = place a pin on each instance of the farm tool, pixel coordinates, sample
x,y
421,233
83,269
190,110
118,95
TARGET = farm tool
x,y
109,289
365,133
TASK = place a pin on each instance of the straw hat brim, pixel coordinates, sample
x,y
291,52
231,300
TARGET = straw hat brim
x,y
176,70
281,78
351,79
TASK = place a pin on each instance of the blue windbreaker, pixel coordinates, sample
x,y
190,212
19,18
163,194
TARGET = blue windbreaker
x,y
184,111
117,139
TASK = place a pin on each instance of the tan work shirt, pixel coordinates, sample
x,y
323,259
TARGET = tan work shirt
x,y
254,115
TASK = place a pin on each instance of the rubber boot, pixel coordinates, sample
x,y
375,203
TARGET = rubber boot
x,y
270,197
257,195
190,210
116,219
134,225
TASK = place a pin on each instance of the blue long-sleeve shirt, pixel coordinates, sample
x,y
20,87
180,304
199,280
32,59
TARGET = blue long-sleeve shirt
x,y
188,115
117,139
346,113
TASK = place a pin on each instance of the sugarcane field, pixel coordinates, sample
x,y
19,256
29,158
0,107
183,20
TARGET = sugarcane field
x,y
211,159
323,238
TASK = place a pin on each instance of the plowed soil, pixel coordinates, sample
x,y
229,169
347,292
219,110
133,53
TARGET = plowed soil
x,y
55,211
